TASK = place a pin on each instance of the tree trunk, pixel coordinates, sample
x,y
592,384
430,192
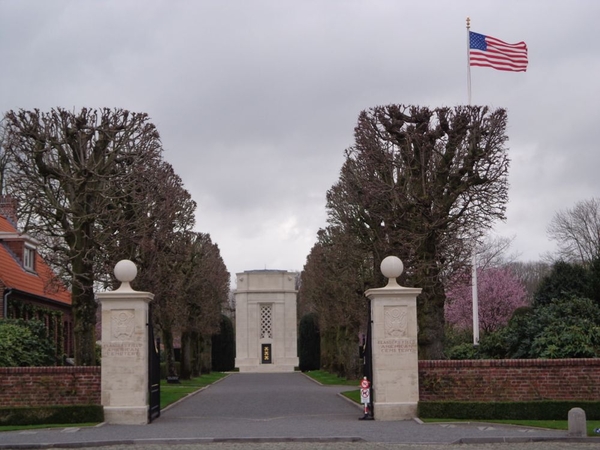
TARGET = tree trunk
x,y
340,351
84,317
430,303
205,353
430,317
169,353
186,356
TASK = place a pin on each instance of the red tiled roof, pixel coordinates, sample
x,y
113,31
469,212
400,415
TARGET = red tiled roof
x,y
6,226
13,275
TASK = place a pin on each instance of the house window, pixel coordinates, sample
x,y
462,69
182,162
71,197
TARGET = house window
x,y
29,258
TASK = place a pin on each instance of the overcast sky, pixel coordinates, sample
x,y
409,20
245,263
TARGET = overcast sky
x,y
256,101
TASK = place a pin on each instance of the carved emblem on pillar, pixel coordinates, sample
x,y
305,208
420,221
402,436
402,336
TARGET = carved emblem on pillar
x,y
123,324
395,321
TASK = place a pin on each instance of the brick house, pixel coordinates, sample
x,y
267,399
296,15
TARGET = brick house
x,y
28,287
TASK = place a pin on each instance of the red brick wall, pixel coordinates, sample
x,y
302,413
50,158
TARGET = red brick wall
x,y
510,380
49,386
474,380
2,290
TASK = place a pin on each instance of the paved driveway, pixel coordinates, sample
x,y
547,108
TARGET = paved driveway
x,y
259,403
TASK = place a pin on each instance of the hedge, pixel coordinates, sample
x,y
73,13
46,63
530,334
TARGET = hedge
x,y
44,415
535,410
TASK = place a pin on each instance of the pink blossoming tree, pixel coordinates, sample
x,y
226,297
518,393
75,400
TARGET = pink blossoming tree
x,y
499,294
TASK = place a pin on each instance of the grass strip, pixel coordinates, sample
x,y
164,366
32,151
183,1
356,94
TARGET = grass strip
x,y
331,379
592,425
172,392
51,425
352,395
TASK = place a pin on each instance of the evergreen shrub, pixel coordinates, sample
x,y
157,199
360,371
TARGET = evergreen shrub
x,y
46,415
536,410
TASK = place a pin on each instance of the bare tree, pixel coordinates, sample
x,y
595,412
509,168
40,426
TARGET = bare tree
x,y
530,274
206,293
494,252
338,270
163,261
424,185
63,169
577,232
153,229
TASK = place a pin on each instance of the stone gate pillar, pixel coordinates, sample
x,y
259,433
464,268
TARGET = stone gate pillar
x,y
124,366
394,346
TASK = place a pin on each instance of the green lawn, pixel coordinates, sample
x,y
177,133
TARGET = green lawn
x,y
33,427
353,395
170,393
552,424
328,378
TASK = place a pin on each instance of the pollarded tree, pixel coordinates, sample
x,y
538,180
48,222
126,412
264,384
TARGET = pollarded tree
x,y
499,294
150,223
423,185
162,265
577,232
206,292
336,275
63,169
145,217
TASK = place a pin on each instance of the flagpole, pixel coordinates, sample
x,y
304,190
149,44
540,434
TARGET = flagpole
x,y
473,256
469,60
475,301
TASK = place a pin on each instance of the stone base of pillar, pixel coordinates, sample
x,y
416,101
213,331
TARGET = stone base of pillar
x,y
395,411
126,415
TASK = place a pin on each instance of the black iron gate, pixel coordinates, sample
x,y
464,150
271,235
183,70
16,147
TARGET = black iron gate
x,y
153,372
368,361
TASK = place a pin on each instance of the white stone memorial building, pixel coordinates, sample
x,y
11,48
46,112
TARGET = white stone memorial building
x,y
265,316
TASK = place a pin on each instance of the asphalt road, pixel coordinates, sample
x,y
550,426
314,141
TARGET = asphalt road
x,y
277,411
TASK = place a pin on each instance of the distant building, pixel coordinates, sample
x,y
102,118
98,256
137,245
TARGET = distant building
x,y
265,320
28,287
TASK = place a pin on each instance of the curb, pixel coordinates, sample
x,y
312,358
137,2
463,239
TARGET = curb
x,y
518,440
179,441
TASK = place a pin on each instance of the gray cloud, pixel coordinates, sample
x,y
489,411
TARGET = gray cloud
x,y
256,101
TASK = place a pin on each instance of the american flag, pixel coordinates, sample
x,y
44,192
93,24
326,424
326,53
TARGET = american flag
x,y
487,51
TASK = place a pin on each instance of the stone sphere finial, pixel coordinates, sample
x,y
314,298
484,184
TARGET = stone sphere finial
x,y
392,268
125,271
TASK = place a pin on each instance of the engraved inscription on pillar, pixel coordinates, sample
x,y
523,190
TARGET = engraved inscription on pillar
x,y
395,321
122,324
